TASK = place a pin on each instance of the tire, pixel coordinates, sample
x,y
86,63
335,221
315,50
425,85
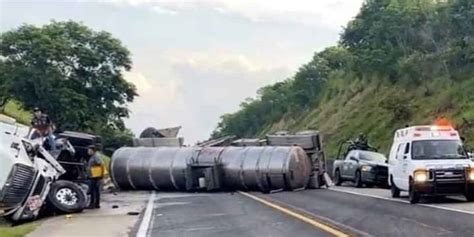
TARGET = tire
x,y
413,195
10,219
394,190
469,196
369,185
337,178
150,133
358,179
67,197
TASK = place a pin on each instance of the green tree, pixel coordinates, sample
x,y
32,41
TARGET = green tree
x,y
290,96
70,71
385,32
418,45
4,95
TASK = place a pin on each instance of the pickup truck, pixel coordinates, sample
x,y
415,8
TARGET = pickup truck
x,y
367,168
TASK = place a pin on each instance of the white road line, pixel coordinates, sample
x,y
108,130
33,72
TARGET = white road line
x,y
448,209
369,195
402,201
143,229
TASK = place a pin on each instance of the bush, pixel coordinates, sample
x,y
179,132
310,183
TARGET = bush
x,y
399,107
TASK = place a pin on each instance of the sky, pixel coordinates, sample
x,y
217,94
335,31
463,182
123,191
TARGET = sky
x,y
195,60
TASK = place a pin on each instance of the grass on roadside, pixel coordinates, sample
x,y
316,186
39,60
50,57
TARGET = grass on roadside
x,y
106,161
7,230
14,110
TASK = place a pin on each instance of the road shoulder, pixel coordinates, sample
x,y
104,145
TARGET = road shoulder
x,y
105,222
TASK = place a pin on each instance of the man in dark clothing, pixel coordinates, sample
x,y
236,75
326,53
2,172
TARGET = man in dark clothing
x,y
43,127
95,170
362,142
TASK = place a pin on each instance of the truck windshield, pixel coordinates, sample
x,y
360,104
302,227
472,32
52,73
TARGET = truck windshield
x,y
372,156
438,149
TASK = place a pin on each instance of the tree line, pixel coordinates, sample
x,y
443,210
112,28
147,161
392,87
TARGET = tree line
x,y
400,41
71,72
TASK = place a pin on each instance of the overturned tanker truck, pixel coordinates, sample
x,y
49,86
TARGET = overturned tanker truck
x,y
285,162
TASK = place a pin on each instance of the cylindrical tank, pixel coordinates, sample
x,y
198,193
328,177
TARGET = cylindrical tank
x,y
244,168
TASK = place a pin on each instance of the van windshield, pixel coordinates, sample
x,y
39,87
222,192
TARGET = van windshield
x,y
438,149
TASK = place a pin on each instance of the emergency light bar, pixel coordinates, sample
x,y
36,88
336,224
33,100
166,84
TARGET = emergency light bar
x,y
434,128
428,131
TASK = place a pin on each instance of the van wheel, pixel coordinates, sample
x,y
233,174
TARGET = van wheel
x,y
358,179
67,197
337,178
413,195
393,189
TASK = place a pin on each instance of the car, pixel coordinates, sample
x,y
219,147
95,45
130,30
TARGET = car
x,y
367,168
430,161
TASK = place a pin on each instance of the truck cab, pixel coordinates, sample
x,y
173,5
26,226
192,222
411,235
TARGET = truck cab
x,y
29,178
430,161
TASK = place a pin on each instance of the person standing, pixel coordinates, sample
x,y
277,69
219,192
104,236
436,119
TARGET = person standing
x,y
43,128
96,171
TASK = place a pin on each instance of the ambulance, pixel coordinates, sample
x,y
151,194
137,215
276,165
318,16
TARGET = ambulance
x,y
430,161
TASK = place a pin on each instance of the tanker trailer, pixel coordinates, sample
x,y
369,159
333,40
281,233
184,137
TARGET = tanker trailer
x,y
265,169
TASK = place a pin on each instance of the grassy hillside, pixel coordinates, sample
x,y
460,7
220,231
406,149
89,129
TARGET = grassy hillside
x,y
14,110
366,106
397,63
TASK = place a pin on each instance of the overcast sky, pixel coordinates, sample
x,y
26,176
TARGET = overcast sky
x,y
194,60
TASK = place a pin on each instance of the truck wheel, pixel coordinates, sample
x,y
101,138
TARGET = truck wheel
x,y
358,179
470,196
394,190
67,197
413,195
337,178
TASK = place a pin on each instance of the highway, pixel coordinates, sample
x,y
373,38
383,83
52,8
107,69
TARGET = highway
x,y
221,214
378,217
339,211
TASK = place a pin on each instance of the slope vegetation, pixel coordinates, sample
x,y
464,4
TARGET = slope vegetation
x,y
398,63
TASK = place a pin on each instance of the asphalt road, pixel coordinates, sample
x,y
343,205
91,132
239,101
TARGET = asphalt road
x,y
221,215
352,211
377,217
455,203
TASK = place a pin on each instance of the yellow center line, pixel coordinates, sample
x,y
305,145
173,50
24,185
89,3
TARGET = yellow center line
x,y
300,217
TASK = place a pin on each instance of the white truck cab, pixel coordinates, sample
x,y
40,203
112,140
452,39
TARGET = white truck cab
x,y
430,160
29,177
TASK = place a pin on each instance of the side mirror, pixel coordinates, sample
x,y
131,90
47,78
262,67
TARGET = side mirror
x,y
405,157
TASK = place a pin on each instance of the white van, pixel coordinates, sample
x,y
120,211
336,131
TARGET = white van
x,y
430,160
